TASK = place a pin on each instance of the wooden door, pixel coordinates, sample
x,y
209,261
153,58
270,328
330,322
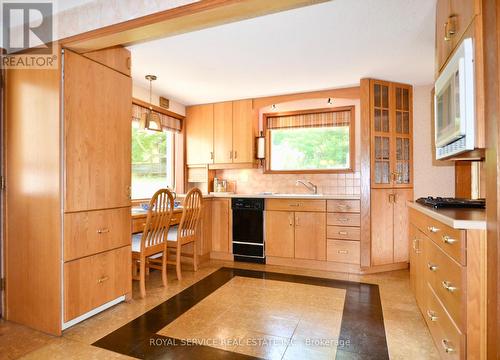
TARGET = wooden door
x,y
220,225
310,235
381,139
223,133
443,47
97,141
401,223
279,233
244,119
199,134
402,151
382,223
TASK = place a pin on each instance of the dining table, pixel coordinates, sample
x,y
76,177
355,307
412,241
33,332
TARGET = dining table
x,y
139,216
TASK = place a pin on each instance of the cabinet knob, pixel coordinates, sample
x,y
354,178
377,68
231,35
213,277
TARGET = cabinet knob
x,y
432,229
432,315
211,155
448,240
231,155
103,279
447,347
342,252
448,286
450,28
342,232
432,267
235,154
103,231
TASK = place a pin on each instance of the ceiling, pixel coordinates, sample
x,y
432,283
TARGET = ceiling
x,y
323,46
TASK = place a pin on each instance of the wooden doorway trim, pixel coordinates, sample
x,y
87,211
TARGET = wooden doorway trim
x,y
196,16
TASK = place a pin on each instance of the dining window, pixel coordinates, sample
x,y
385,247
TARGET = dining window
x,y
320,140
152,154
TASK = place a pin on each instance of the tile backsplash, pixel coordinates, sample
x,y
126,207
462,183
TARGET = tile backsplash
x,y
251,181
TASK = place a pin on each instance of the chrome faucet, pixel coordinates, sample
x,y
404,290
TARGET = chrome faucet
x,y
309,185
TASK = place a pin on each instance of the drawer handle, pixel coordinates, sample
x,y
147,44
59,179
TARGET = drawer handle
x,y
446,345
342,251
295,205
448,286
342,232
343,219
415,248
103,279
432,315
433,229
448,240
432,267
102,231
343,206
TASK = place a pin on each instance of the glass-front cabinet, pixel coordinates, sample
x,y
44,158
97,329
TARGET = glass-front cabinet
x,y
391,135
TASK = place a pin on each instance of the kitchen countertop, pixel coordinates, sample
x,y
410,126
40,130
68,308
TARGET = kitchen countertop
x,y
284,196
467,219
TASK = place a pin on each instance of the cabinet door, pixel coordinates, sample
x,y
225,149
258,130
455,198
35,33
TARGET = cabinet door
x,y
382,222
244,118
417,263
220,225
412,241
97,135
280,234
401,223
223,133
310,235
402,156
205,228
199,134
381,138
463,12
443,44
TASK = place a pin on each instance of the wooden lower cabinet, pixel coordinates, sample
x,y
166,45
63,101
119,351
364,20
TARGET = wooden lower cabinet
x,y
280,233
451,296
310,235
95,280
205,229
221,225
343,251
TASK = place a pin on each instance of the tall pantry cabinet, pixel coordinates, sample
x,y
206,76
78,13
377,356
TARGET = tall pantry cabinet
x,y
391,168
68,163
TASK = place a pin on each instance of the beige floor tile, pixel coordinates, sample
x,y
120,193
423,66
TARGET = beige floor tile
x,y
263,346
17,340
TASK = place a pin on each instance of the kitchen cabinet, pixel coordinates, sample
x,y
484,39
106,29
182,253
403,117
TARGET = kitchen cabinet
x,y
205,228
280,233
453,17
389,230
391,114
221,134
310,235
220,225
417,258
199,134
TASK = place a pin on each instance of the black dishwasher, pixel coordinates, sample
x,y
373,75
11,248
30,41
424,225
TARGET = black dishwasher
x,y
248,230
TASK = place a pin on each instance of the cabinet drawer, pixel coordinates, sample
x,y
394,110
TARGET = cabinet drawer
x,y
96,280
295,205
350,206
447,278
452,241
450,342
343,251
91,232
343,232
343,219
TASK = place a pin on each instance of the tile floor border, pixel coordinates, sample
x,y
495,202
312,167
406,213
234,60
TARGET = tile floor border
x,y
362,334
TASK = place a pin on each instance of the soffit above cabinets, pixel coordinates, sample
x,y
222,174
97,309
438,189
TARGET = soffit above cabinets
x,y
322,46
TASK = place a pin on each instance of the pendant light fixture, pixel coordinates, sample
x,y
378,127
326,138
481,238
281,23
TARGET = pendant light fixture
x,y
150,120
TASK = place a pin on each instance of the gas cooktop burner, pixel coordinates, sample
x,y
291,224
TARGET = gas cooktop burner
x,y
440,202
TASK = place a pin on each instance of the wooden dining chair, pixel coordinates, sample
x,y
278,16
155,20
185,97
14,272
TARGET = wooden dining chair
x,y
152,241
186,232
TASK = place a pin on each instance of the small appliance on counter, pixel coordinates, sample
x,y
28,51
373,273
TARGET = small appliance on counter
x,y
220,185
248,230
440,202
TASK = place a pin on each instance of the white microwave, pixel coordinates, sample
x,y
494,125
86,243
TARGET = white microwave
x,y
454,104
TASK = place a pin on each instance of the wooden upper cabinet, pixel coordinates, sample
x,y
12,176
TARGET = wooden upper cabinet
x,y
116,57
97,141
243,131
461,16
223,132
199,134
442,45
391,113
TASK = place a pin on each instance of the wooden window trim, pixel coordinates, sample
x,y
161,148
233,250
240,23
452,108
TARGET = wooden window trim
x,y
352,139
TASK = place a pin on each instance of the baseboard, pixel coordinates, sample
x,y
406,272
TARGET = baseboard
x,y
314,264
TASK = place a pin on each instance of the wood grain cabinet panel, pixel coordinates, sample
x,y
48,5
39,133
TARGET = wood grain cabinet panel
x,y
116,57
223,133
91,232
343,232
401,224
199,125
382,227
97,135
295,205
442,47
310,235
95,280
343,219
220,225
348,206
280,233
343,251
244,121
417,265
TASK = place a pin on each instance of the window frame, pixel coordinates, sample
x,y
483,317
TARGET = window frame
x,y
173,168
352,146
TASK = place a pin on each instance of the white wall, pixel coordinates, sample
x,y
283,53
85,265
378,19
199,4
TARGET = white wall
x,y
430,177
143,94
